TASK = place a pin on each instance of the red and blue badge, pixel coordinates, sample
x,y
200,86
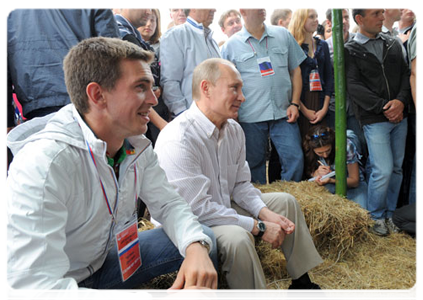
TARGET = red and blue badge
x,y
265,66
128,247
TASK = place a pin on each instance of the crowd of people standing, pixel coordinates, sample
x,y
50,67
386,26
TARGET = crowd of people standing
x,y
275,100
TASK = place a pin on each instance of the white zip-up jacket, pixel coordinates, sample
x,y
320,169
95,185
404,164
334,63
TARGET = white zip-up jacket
x,y
59,227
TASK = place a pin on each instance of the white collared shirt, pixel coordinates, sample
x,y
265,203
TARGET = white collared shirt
x,y
207,167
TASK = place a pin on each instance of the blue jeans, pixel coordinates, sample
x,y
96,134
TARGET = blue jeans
x,y
287,140
158,255
358,194
414,192
386,144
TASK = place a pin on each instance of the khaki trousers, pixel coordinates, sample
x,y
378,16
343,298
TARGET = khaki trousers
x,y
237,253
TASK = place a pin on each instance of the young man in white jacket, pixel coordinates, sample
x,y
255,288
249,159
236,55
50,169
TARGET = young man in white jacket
x,y
74,184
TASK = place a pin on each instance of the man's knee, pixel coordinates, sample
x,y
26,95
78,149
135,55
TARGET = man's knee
x,y
382,171
281,203
236,241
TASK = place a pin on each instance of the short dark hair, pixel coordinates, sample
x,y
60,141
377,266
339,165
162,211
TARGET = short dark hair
x,y
320,30
329,13
356,12
97,60
226,15
279,14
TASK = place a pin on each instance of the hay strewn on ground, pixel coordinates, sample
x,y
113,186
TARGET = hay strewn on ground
x,y
353,257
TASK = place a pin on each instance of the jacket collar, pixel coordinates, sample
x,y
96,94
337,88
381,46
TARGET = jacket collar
x,y
99,147
125,28
362,39
137,144
197,27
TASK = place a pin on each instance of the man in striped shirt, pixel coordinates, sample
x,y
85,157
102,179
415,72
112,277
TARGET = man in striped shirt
x,y
203,154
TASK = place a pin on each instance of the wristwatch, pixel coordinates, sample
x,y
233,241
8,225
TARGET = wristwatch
x,y
261,227
205,245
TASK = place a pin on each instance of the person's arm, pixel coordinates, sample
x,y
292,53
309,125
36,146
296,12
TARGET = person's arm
x,y
180,224
197,270
172,72
415,86
10,107
320,114
328,86
297,84
394,109
353,179
182,165
105,23
37,218
321,171
157,120
357,90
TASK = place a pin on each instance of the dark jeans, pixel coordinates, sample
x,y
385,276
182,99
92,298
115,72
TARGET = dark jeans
x,y
405,218
158,255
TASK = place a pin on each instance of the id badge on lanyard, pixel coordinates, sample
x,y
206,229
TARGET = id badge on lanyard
x,y
127,242
264,63
128,249
314,79
265,66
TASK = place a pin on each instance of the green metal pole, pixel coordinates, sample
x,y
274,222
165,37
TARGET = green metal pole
x,y
340,107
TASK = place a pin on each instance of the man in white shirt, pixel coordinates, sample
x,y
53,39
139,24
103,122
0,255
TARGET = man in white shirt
x,y
203,154
181,50
74,182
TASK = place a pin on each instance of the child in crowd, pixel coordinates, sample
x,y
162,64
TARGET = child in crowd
x,y
319,160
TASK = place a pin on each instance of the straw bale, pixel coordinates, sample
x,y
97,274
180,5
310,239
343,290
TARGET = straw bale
x,y
353,257
335,223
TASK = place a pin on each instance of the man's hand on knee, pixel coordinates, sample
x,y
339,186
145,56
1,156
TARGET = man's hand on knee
x,y
270,216
273,234
197,270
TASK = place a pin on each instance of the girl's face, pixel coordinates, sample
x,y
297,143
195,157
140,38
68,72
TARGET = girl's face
x,y
147,31
323,151
328,31
312,22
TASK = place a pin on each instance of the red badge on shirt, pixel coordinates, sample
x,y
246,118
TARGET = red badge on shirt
x,y
315,84
128,247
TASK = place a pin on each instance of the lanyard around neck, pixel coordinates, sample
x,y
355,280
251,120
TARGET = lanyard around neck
x,y
113,211
254,51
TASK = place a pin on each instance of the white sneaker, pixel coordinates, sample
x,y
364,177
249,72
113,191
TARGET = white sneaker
x,y
380,228
391,226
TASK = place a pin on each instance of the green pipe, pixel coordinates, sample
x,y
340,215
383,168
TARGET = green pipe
x,y
340,107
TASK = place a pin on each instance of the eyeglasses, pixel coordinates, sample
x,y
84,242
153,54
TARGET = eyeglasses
x,y
324,136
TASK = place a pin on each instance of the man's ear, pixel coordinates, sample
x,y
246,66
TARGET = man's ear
x,y
95,94
242,12
205,88
358,19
